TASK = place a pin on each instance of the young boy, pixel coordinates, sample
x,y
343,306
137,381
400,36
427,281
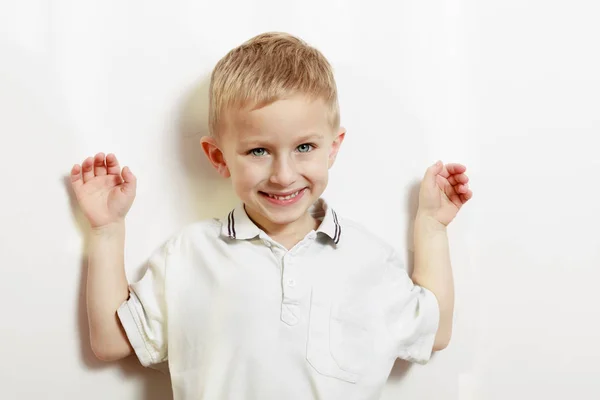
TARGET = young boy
x,y
282,298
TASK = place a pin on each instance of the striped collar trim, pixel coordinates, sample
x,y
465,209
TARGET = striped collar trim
x,y
238,225
330,223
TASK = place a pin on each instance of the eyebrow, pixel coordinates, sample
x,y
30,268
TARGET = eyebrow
x,y
311,137
252,141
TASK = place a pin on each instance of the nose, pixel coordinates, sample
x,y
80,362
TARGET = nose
x,y
283,172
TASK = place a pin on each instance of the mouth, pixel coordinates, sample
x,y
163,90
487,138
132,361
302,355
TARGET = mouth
x,y
284,197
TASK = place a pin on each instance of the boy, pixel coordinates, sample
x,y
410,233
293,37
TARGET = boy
x,y
282,298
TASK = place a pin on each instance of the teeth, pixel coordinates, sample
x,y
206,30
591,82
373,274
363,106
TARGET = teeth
x,y
291,196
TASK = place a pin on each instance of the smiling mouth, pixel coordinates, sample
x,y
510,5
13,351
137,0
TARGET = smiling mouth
x,y
286,196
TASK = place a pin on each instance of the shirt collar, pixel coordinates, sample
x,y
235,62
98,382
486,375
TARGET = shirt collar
x,y
238,225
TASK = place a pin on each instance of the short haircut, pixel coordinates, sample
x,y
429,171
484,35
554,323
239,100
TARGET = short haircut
x,y
270,67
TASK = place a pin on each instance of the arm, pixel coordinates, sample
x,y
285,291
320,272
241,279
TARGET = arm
x,y
444,190
432,270
105,195
107,289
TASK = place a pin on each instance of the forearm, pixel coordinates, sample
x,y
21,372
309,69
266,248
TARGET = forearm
x,y
432,270
107,289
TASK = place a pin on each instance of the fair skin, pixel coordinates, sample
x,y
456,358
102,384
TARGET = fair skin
x,y
443,191
284,148
281,149
105,194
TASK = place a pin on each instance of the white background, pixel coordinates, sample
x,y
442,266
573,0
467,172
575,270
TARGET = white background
x,y
509,88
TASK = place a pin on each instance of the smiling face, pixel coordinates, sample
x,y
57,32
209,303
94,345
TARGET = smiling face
x,y
278,158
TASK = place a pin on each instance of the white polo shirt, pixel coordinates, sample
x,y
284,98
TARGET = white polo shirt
x,y
237,316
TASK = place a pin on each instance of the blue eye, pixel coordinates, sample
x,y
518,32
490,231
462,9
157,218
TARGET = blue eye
x,y
305,148
259,152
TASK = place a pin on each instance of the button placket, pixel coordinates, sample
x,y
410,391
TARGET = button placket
x,y
288,266
289,279
289,306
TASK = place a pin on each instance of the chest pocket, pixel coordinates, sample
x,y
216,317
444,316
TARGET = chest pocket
x,y
340,342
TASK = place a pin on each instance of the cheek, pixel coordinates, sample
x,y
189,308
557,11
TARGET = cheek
x,y
247,175
317,169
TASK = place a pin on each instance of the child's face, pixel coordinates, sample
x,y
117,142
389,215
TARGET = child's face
x,y
279,157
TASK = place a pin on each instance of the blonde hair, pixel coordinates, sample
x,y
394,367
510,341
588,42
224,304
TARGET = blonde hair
x,y
267,68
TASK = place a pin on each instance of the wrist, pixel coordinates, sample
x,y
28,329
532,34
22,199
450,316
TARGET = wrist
x,y
109,229
427,223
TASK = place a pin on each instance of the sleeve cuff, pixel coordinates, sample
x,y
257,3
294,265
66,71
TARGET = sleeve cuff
x,y
133,328
420,352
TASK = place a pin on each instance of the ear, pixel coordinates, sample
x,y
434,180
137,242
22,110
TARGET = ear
x,y
215,155
335,146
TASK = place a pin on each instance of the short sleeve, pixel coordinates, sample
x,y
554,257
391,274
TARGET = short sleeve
x,y
144,314
411,313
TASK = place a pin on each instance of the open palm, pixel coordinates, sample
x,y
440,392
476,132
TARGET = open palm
x,y
104,192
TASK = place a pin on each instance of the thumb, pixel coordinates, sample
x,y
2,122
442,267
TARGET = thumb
x,y
429,180
433,170
130,183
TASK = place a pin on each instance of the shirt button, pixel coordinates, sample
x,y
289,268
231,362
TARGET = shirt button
x,y
291,283
267,243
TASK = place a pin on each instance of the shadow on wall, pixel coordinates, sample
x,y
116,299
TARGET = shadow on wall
x,y
401,367
412,202
211,194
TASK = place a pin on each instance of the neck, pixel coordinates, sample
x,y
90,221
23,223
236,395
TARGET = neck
x,y
286,234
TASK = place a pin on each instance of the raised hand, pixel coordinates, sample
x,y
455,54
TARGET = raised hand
x,y
104,192
444,190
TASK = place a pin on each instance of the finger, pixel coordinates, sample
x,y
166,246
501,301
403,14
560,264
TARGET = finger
x,y
76,179
452,169
466,197
432,176
442,182
455,168
453,192
129,186
458,179
450,190
113,164
88,169
434,170
99,166
455,198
